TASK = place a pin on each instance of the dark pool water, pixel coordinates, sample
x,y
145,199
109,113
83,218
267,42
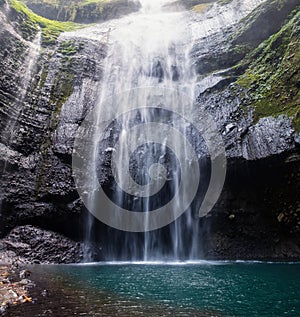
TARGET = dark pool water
x,y
199,289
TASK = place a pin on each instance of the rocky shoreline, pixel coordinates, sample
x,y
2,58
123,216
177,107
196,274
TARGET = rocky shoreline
x,y
14,285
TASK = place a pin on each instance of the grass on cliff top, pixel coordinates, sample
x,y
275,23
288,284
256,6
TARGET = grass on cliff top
x,y
50,28
273,77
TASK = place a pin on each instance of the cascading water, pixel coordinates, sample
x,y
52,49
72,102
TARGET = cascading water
x,y
27,72
10,127
140,163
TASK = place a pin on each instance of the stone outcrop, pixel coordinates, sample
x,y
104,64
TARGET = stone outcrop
x,y
28,244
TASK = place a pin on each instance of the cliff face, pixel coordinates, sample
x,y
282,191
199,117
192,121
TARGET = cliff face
x,y
38,88
47,86
257,107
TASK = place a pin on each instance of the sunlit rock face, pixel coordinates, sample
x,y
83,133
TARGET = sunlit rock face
x,y
46,94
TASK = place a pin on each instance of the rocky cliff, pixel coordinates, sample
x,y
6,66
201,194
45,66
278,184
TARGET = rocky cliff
x,y
48,82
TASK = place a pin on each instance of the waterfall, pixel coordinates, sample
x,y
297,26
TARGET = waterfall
x,y
131,146
15,110
27,72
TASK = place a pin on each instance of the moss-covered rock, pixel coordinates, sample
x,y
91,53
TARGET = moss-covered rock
x,y
273,77
267,19
29,23
258,26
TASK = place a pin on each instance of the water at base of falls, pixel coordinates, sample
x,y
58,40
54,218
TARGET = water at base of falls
x,y
147,57
203,290
148,83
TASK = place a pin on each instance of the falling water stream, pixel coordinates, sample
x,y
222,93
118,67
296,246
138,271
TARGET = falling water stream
x,y
148,51
26,72
149,82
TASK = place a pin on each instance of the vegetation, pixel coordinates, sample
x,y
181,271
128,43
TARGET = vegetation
x,y
63,85
31,21
273,77
70,47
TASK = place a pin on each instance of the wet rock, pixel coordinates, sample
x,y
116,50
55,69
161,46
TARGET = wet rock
x,y
280,217
229,127
3,308
26,282
158,71
24,274
237,41
15,292
297,138
268,137
266,20
45,293
31,244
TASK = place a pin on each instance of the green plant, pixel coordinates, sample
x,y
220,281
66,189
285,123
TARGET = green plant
x,y
273,76
50,28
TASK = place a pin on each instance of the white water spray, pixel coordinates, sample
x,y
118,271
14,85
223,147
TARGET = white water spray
x,y
149,57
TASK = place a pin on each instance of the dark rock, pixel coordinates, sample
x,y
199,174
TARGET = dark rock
x,y
233,45
24,274
257,193
26,282
297,138
266,20
31,244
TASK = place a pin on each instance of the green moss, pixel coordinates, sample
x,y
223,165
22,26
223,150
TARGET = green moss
x,y
70,47
50,29
241,49
296,121
273,77
44,75
62,87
